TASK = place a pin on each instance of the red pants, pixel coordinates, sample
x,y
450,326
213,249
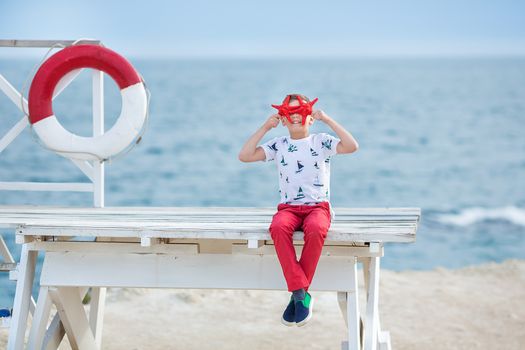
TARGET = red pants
x,y
314,220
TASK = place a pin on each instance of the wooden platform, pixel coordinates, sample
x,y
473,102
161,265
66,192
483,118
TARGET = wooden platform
x,y
185,247
350,225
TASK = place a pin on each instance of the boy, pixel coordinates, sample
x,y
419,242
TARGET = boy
x,y
303,161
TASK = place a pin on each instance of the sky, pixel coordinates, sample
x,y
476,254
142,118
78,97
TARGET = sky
x,y
272,28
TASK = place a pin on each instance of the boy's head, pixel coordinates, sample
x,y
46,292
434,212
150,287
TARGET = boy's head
x,y
296,110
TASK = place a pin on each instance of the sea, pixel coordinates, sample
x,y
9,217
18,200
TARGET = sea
x,y
442,134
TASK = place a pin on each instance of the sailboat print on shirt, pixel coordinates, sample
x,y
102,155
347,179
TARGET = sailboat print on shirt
x,y
292,148
317,182
316,165
314,153
285,140
273,147
327,144
299,167
283,163
300,194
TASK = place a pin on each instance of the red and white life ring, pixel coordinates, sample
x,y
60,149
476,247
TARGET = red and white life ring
x,y
54,135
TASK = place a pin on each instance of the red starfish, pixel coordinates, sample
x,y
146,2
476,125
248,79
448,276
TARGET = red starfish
x,y
304,108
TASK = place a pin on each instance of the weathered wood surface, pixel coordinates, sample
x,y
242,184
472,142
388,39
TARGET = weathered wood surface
x,y
350,224
44,43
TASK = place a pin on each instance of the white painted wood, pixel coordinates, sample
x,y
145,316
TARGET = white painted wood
x,y
73,317
147,241
115,248
372,311
96,313
45,43
254,243
327,250
7,267
245,223
13,94
54,335
365,213
65,81
375,247
342,301
206,271
41,316
384,341
86,167
98,130
22,298
352,310
46,186
56,332
13,132
5,253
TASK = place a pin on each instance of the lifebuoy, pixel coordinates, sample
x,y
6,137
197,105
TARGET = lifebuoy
x,y
54,135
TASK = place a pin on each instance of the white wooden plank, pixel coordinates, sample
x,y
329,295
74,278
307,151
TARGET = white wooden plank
x,y
54,334
44,43
73,317
5,253
372,307
96,313
201,210
98,130
215,271
41,316
13,132
65,81
13,94
352,311
260,234
46,186
22,298
219,223
85,167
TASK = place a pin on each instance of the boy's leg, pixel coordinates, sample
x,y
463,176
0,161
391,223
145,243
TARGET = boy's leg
x,y
315,227
284,223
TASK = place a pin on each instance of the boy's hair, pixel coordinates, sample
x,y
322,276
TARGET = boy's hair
x,y
296,97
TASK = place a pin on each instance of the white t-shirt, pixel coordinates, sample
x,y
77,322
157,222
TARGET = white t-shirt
x,y
304,167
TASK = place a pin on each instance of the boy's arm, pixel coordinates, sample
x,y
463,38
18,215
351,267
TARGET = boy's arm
x,y
250,152
347,142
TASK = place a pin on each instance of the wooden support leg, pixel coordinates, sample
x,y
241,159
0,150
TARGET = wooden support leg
x,y
73,317
54,335
24,285
366,274
341,300
96,313
350,299
5,253
40,318
372,310
55,332
384,340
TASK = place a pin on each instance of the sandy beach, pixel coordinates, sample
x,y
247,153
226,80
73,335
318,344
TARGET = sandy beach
x,y
478,307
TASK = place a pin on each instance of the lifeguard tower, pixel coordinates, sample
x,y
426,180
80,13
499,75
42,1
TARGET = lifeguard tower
x,y
170,247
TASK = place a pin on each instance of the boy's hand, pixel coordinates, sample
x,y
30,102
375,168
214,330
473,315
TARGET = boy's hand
x,y
272,122
319,115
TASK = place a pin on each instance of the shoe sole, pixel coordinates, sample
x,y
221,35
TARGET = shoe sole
x,y
286,323
310,313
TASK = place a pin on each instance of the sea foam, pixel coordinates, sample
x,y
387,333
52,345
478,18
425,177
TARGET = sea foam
x,y
474,215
